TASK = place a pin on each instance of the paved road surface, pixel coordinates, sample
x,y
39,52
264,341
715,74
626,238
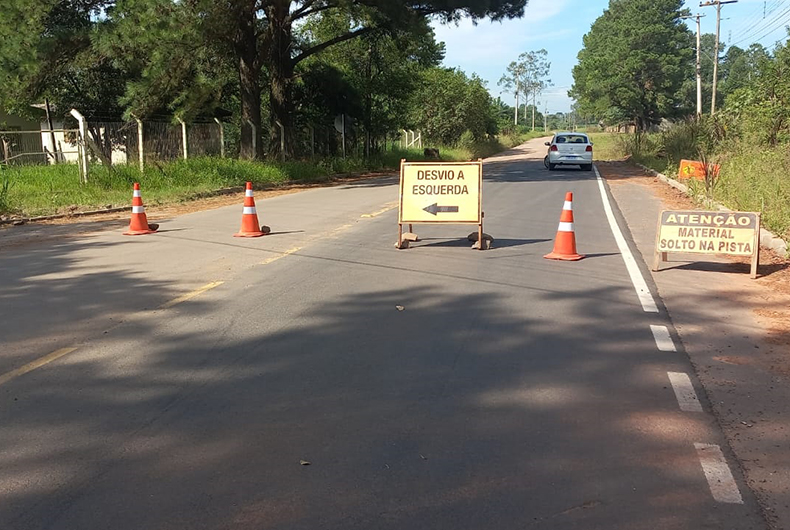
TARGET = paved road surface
x,y
512,392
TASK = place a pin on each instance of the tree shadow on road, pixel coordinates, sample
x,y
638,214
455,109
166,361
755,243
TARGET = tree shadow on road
x,y
468,408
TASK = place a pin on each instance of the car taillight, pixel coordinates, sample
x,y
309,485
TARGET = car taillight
x,y
553,148
589,149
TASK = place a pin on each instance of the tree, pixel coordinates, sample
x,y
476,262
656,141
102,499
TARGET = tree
x,y
526,76
513,81
536,69
634,61
197,41
740,66
380,69
762,108
262,37
47,53
448,103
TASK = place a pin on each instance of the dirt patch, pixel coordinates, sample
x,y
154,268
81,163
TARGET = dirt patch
x,y
772,294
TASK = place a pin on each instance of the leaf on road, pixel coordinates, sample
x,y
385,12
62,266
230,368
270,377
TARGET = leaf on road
x,y
304,462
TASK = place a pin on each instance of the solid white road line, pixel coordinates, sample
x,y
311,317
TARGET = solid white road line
x,y
663,339
645,298
720,479
684,391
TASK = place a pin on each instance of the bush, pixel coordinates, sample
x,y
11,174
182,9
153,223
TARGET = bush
x,y
467,140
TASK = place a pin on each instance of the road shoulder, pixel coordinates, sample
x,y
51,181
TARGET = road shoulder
x,y
735,330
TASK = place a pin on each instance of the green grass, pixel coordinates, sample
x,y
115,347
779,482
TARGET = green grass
x,y
41,190
45,190
751,178
608,146
758,180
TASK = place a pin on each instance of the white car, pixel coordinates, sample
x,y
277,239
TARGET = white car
x,y
570,148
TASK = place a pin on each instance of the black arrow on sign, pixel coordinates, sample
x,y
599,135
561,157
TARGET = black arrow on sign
x,y
435,208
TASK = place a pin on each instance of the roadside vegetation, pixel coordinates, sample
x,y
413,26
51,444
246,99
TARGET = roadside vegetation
x,y
27,191
753,177
637,71
280,76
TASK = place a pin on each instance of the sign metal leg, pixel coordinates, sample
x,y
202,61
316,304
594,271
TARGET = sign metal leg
x,y
756,255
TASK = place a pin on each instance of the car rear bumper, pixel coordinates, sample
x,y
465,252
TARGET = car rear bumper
x,y
570,159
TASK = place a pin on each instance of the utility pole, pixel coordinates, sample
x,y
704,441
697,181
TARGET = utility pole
x,y
546,118
515,119
718,4
533,108
699,67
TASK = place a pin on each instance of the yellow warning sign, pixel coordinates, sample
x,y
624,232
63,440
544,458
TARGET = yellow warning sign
x,y
699,232
432,192
708,232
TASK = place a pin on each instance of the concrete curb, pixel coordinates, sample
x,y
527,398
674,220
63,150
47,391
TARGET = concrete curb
x,y
768,239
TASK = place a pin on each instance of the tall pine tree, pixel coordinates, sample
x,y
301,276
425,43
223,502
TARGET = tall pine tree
x,y
634,61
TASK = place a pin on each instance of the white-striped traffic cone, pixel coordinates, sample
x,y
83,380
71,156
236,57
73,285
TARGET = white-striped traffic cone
x,y
565,243
249,217
138,225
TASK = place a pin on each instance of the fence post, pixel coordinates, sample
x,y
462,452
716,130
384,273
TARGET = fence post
x,y
183,136
82,147
140,149
221,138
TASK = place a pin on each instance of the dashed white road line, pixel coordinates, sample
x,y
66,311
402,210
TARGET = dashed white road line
x,y
645,298
720,479
663,339
684,391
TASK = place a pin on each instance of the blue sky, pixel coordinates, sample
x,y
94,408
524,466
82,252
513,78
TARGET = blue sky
x,y
559,25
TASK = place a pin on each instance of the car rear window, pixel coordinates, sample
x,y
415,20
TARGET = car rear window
x,y
571,139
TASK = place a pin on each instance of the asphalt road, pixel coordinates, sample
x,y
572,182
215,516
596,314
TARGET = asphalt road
x,y
511,392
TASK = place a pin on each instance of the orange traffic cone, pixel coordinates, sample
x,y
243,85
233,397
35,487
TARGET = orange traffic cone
x,y
249,217
565,243
139,222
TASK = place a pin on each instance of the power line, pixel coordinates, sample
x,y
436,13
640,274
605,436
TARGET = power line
x,y
785,13
718,4
760,14
760,26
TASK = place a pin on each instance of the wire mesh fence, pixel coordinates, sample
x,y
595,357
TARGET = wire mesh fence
x,y
205,139
40,147
110,141
162,142
113,142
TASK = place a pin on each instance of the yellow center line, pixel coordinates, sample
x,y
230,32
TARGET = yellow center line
x,y
38,363
386,208
185,297
280,256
